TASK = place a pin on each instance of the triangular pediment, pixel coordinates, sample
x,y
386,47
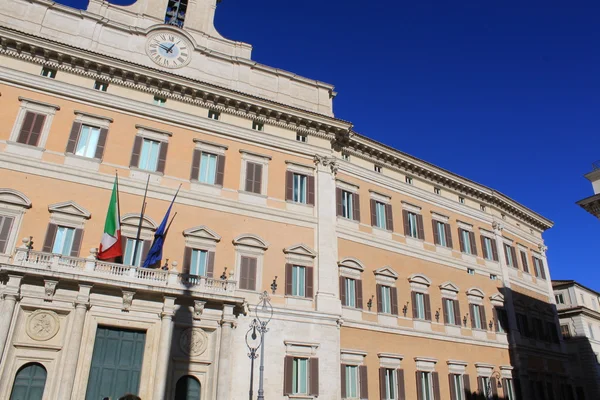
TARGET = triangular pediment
x,y
250,240
70,208
449,286
300,250
497,298
386,271
202,232
14,197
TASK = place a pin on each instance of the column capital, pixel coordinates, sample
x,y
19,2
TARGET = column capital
x,y
542,248
82,305
498,227
324,162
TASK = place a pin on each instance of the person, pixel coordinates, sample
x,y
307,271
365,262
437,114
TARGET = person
x,y
130,396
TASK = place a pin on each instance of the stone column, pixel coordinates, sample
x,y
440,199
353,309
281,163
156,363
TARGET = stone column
x,y
71,350
11,296
164,350
327,281
224,372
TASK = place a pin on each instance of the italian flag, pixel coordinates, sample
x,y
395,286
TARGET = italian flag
x,y
110,246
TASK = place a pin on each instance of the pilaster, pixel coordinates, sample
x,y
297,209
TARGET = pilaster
x,y
10,295
223,378
164,350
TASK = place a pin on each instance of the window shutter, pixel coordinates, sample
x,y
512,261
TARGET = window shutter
x,y
73,136
310,195
373,213
389,218
195,174
506,252
524,261
36,131
480,385
356,206
495,317
435,231
445,310
394,300
252,278
49,240
413,300
472,307
494,249
145,249
338,202
220,176
461,240
448,235
288,279
401,388
382,394
244,273
483,249
289,185
313,376
473,244
379,306
210,265
162,157
484,321
436,386
187,260
135,153
452,388
359,294
5,225
288,378
309,282
427,306
535,270
101,144
77,237
419,386
457,320
505,387
405,222
343,380
343,290
467,385
420,227
364,386
514,256
26,127
249,176
258,168
494,386
542,269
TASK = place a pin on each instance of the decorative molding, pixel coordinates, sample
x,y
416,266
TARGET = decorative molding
x,y
127,300
449,287
300,250
475,292
14,197
386,272
419,279
202,232
251,240
325,161
213,144
198,309
143,128
49,289
42,325
70,208
253,154
352,263
193,341
39,103
94,116
134,220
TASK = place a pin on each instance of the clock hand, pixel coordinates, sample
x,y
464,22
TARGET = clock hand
x,y
162,46
171,48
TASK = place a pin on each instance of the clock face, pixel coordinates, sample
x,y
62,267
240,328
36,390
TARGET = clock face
x,y
168,50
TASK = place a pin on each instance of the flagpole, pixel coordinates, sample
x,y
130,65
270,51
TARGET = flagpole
x,y
139,231
118,216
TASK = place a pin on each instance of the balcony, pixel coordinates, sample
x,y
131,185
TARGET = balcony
x,y
90,269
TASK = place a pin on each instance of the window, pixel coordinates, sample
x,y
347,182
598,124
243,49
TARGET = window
x,y
300,138
559,298
300,376
351,381
253,177
482,208
31,129
214,115
208,168
565,331
470,271
198,262
477,317
298,281
489,248
159,101
101,86
175,14
30,382
48,72
380,218
467,242
87,142
449,312
461,200
391,384
63,241
258,126
509,391
345,157
347,205
591,328
485,383
377,168
441,234
457,387
299,182
437,191
493,277
426,385
149,155
5,227
350,288
539,268
501,320
130,249
413,227
419,306
510,254
524,261
248,270
386,300
408,180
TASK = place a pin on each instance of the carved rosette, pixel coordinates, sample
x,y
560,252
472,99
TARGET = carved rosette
x,y
42,325
325,161
193,341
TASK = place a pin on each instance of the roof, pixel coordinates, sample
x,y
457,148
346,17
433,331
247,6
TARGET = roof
x,y
559,283
591,204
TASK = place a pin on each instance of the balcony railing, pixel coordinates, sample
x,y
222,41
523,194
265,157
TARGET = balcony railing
x,y
91,267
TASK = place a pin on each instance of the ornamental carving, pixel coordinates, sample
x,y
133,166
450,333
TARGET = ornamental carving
x,y
42,325
193,341
327,162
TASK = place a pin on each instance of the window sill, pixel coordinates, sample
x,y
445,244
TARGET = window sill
x,y
24,149
206,188
300,396
74,160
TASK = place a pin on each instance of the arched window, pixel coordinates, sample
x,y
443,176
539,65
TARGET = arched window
x,y
175,14
29,382
187,388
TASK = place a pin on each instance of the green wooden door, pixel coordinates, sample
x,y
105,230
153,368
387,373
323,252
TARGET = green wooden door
x,y
29,383
116,363
187,388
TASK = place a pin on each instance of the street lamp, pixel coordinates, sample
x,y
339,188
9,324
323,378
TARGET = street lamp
x,y
253,342
266,309
495,374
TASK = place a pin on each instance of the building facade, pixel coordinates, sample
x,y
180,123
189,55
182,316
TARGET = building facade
x,y
579,314
592,204
389,277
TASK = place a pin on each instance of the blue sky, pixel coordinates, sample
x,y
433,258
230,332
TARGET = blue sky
x,y
506,93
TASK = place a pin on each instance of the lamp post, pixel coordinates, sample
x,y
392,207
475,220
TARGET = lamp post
x,y
253,343
488,389
266,309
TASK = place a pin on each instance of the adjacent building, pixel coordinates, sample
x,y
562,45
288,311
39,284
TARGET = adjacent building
x,y
592,203
579,314
389,277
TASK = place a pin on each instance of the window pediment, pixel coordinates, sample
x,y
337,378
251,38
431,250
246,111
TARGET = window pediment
x,y
251,240
70,208
202,232
419,279
300,250
497,299
449,286
134,220
386,272
352,263
475,292
14,197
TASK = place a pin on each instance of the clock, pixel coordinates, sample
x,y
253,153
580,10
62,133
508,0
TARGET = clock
x,y
168,49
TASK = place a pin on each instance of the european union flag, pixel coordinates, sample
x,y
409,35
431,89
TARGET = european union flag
x,y
155,254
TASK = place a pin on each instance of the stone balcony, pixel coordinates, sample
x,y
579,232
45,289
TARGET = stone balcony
x,y
91,270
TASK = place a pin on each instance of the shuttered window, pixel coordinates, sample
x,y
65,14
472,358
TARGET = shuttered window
x,y
129,250
85,140
501,320
351,292
489,250
511,256
248,273
440,233
5,227
301,376
420,299
421,306
457,387
253,177
149,155
208,168
539,268
509,391
450,317
524,261
386,300
31,129
63,241
351,372
478,317
348,204
298,281
380,220
425,386
198,262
